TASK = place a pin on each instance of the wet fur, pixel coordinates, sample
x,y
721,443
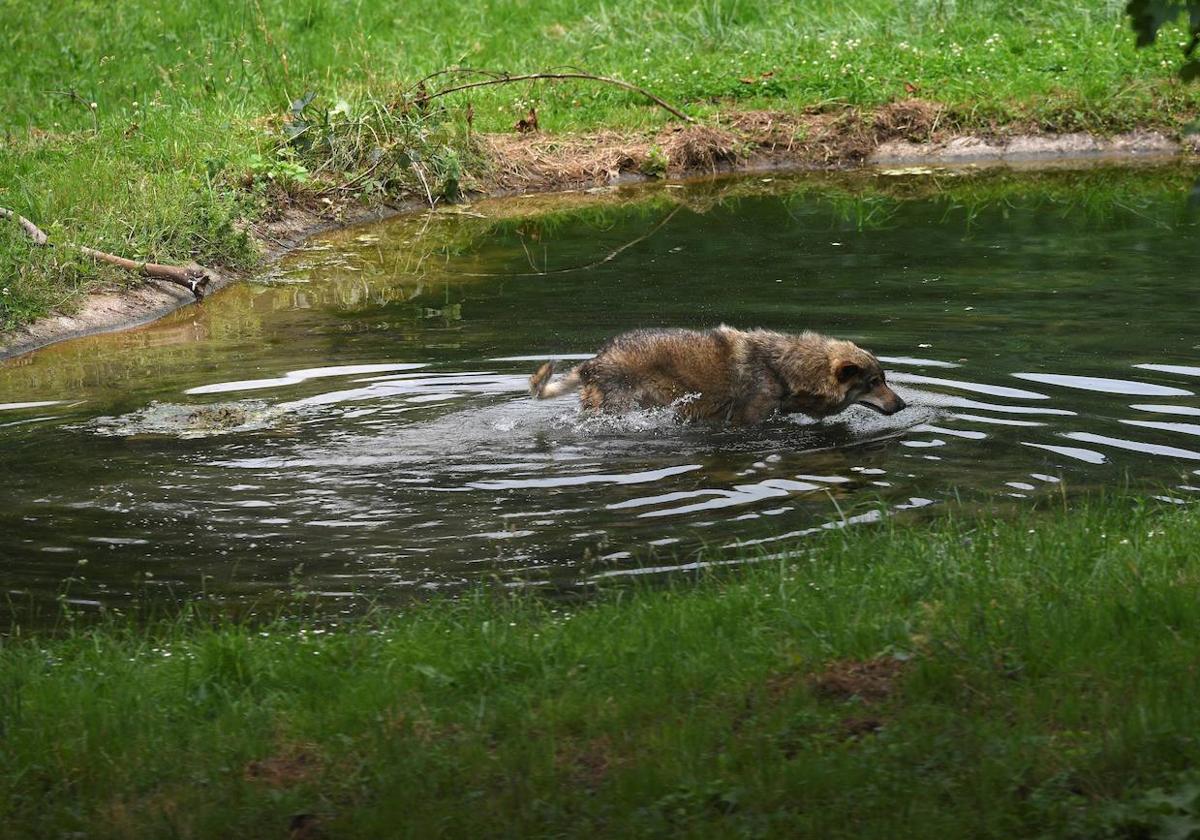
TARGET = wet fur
x,y
724,374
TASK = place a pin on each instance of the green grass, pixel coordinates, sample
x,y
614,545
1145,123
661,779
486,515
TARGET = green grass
x,y
188,93
1041,676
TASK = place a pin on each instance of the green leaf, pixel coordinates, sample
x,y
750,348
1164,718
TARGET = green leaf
x,y
435,676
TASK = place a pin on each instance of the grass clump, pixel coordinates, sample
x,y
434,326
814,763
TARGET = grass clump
x,y
980,678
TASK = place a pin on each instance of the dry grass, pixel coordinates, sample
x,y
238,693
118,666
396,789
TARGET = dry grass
x,y
533,161
870,681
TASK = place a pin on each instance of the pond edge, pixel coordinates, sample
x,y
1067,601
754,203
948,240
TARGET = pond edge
x,y
553,163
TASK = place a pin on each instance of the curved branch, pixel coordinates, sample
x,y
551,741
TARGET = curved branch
x,y
193,278
505,79
453,71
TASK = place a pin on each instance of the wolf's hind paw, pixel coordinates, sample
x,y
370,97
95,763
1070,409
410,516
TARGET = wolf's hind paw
x,y
537,382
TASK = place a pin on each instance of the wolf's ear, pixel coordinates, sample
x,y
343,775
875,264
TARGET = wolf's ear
x,y
845,371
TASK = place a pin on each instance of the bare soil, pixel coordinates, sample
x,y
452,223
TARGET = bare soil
x,y
906,133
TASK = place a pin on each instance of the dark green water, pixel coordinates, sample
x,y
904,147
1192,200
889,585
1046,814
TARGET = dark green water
x,y
374,437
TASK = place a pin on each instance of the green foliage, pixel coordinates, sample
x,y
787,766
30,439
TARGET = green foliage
x,y
656,162
278,168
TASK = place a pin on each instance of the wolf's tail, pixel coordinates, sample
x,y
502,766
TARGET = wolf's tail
x,y
542,388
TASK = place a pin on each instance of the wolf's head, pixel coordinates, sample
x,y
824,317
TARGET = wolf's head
x,y
867,384
862,379
827,375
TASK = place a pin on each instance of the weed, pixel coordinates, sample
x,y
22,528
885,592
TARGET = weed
x,y
656,162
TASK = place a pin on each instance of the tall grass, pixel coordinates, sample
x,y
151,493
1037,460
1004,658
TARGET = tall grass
x,y
977,678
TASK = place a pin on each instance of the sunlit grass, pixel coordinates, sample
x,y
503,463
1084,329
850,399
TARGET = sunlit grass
x,y
1036,681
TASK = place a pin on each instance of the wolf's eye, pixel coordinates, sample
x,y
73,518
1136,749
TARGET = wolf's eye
x,y
877,381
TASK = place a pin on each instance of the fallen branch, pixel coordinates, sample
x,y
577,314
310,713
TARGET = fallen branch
x,y
194,278
502,79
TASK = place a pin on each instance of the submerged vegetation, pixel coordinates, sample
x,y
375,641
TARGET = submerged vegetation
x,y
162,131
969,677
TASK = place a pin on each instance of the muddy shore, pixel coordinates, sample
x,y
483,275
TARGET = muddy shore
x,y
902,135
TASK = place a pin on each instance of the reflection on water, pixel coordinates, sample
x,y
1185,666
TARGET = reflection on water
x,y
358,423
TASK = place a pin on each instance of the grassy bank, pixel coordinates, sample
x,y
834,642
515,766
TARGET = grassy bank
x,y
159,130
976,679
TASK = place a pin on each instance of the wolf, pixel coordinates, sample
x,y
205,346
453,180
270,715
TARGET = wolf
x,y
739,377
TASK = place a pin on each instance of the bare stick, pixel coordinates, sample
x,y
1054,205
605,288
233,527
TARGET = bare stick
x,y
421,174
193,278
33,231
558,76
453,71
609,257
90,106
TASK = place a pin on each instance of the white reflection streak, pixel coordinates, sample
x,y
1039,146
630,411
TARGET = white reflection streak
x,y
15,406
295,377
1087,455
913,360
592,478
1135,446
1184,370
1185,428
1103,385
1185,410
975,387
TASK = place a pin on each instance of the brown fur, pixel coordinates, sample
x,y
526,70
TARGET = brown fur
x,y
725,374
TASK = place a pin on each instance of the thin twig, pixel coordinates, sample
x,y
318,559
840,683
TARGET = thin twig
x,y
356,179
454,71
609,257
505,79
193,278
421,174
74,96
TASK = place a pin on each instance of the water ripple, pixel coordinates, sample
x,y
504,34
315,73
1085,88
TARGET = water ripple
x,y
295,377
1089,456
1104,385
1134,445
1184,428
1183,370
974,387
587,478
1168,409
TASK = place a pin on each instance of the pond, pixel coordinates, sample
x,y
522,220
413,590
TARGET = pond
x,y
355,425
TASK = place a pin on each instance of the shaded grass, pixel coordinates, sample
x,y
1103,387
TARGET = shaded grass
x,y
976,678
187,94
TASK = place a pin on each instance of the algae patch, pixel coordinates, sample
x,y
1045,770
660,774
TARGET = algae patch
x,y
189,421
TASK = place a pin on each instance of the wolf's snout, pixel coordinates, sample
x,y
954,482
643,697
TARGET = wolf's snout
x,y
884,400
